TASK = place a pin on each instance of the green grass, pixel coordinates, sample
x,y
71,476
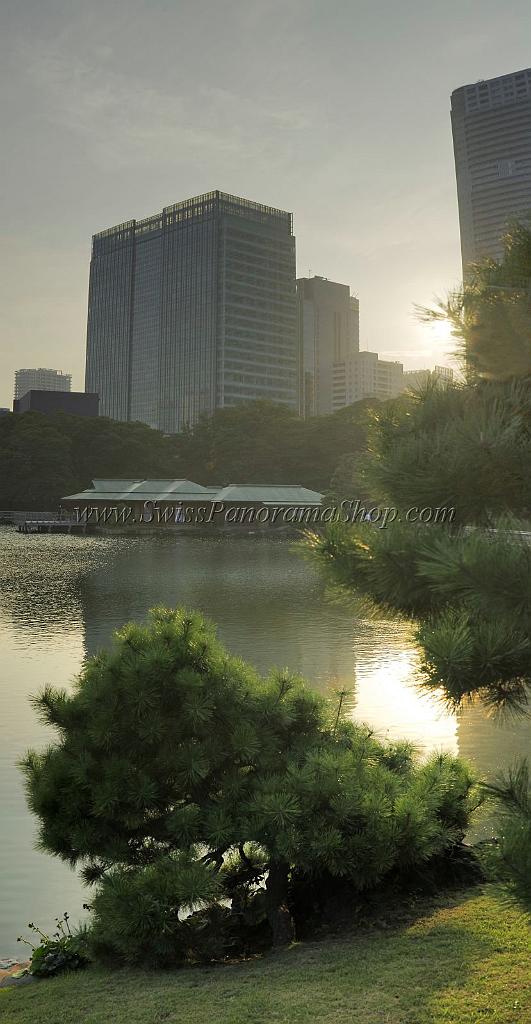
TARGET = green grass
x,y
463,960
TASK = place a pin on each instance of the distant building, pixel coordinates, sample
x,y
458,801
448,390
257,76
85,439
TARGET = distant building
x,y
185,503
444,374
368,376
74,403
4,412
328,326
441,375
191,310
491,124
415,379
41,380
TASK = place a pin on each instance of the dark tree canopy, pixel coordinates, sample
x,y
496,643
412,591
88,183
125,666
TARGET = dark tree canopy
x,y
466,447
43,458
259,442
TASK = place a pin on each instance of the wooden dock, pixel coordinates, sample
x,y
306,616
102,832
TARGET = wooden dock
x,y
14,517
42,522
51,526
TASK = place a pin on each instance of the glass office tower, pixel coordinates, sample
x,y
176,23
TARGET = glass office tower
x,y
192,310
491,124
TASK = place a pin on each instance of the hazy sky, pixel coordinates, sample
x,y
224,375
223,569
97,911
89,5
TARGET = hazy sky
x,y
337,111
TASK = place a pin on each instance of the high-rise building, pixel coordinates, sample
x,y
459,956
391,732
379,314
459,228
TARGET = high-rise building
x,y
491,124
42,380
329,330
191,310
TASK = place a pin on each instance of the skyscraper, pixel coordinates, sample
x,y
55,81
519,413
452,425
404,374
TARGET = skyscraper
x,y
328,325
491,125
191,310
41,379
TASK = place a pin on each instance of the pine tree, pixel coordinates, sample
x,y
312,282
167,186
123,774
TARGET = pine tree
x,y
465,578
189,790
466,581
490,313
468,593
511,792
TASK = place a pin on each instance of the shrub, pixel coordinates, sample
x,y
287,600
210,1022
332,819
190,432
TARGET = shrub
x,y
63,951
189,790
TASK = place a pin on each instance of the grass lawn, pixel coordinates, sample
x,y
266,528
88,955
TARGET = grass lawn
x,y
465,959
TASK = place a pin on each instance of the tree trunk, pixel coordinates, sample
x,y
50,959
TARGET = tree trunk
x,y
278,914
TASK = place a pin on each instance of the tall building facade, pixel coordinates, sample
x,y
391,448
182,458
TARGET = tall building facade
x,y
491,125
329,331
191,310
41,379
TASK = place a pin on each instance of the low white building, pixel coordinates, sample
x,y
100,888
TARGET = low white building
x,y
365,375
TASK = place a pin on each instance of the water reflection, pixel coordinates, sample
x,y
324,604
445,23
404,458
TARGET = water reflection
x,y
62,597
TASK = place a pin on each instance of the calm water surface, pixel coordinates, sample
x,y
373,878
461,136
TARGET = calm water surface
x,y
61,598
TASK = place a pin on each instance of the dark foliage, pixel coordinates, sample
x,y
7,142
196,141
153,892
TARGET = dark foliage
x,y
511,793
466,447
330,903
258,442
44,458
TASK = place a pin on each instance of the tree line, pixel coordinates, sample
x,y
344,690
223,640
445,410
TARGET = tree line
x,y
43,458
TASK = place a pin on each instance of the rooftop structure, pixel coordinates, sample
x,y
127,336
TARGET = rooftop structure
x,y
73,403
178,491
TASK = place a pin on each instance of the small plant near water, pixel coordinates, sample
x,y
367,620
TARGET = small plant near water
x,y
65,950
